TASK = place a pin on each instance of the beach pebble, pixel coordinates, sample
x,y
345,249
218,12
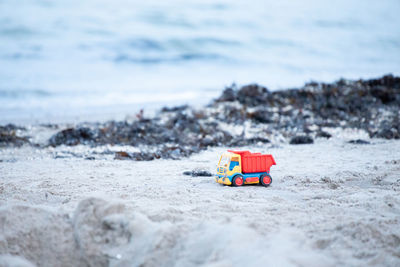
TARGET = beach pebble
x,y
359,142
301,139
198,172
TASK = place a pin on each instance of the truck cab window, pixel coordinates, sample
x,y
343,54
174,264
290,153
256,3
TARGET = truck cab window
x,y
224,161
233,164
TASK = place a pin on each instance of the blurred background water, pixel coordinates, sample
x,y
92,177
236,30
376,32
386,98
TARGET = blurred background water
x,y
71,60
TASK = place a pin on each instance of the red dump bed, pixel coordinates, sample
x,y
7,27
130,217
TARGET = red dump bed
x,y
255,162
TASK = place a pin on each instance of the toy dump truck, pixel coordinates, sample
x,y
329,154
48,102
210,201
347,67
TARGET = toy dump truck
x,y
243,167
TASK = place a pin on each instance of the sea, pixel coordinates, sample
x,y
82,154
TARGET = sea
x,y
94,60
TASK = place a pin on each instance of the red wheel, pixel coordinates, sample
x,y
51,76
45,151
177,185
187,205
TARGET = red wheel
x,y
237,180
265,180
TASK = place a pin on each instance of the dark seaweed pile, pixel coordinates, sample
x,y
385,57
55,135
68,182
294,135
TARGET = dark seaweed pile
x,y
371,105
9,136
171,134
298,115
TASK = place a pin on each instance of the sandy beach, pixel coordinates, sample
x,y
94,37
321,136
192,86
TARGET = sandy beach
x,y
125,193
114,116
331,203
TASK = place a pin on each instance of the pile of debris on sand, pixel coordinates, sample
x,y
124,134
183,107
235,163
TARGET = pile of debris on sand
x,y
12,135
243,116
371,105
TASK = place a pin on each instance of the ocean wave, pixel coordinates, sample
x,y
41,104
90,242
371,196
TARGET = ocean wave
x,y
173,59
23,93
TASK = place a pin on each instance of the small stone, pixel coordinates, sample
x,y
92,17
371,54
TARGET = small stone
x,y
72,137
256,140
301,139
174,109
195,173
388,133
359,142
122,155
323,134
